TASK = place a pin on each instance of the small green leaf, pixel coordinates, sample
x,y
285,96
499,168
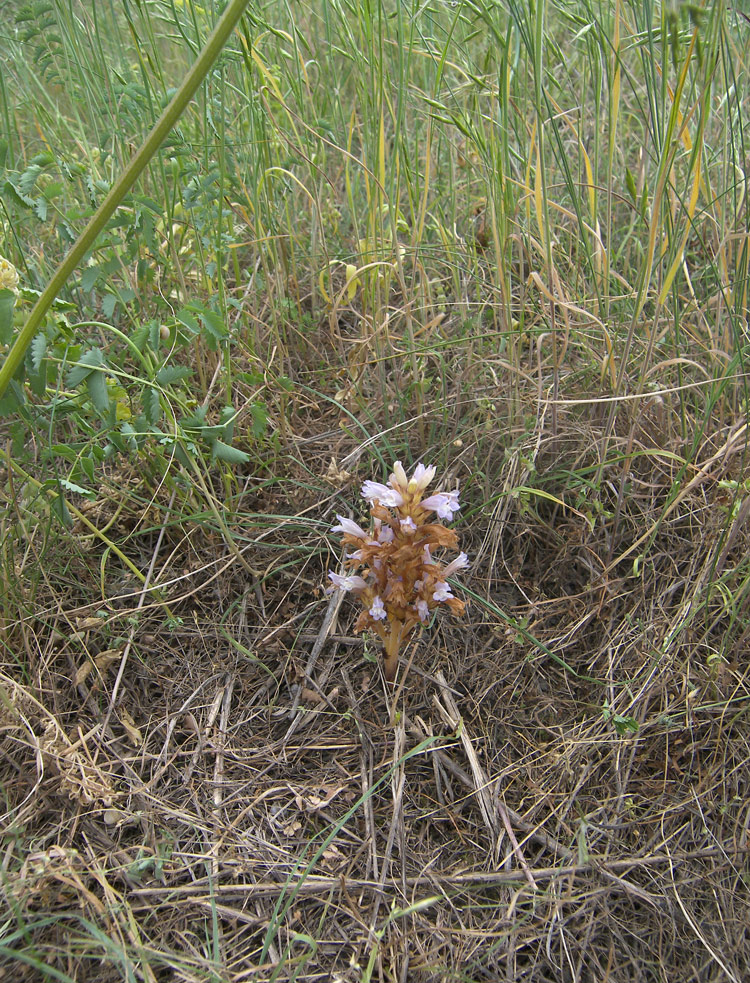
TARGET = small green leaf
x,y
75,489
59,508
28,179
7,303
226,423
96,383
214,324
18,435
151,203
87,466
223,452
53,190
154,335
259,415
630,185
10,191
140,336
89,362
151,404
195,420
172,373
59,450
38,350
186,318
185,455
37,379
108,305
12,401
130,435
89,277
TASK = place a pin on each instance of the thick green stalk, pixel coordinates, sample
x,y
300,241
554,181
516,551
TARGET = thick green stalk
x,y
125,182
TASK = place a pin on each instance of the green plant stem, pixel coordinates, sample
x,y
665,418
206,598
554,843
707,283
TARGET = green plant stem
x,y
122,186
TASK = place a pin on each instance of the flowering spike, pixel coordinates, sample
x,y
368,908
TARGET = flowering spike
x,y
393,570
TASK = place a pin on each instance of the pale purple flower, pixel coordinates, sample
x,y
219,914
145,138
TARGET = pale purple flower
x,y
374,491
423,610
460,563
444,503
421,478
408,525
349,527
352,582
377,611
427,557
383,534
442,591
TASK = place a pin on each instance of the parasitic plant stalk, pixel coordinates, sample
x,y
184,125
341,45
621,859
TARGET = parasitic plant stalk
x,y
392,570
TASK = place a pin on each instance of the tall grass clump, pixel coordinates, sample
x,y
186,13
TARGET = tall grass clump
x,y
506,240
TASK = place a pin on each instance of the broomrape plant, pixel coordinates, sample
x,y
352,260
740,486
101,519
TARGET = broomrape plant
x,y
392,571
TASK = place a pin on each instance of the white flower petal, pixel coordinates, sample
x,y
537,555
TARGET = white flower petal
x,y
352,582
398,478
349,527
421,478
377,611
442,591
374,491
444,503
460,563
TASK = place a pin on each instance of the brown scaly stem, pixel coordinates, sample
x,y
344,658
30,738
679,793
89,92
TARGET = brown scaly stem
x,y
392,649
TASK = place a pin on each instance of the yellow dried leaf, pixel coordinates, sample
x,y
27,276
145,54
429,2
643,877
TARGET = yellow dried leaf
x,y
134,735
352,281
83,672
105,658
83,624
